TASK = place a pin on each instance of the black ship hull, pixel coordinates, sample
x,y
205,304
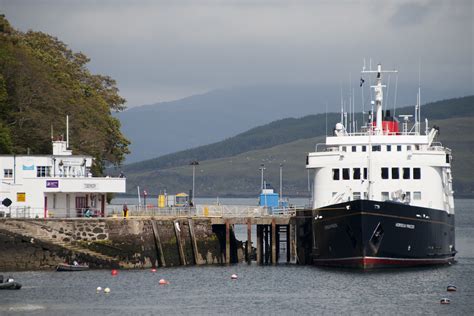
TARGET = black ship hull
x,y
369,234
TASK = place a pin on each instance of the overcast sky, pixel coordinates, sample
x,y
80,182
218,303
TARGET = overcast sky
x,y
164,50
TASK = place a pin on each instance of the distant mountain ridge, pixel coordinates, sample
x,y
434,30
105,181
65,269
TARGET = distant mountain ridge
x,y
167,127
288,130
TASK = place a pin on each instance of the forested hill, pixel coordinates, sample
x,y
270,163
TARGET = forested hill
x,y
288,130
42,81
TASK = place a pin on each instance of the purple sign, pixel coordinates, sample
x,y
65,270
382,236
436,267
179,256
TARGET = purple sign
x,y
52,184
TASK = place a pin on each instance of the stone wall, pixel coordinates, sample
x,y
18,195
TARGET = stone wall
x,y
132,242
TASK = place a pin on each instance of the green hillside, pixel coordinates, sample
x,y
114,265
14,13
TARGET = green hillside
x,y
238,175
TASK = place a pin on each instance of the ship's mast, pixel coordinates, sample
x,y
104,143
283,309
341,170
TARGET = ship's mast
x,y
378,89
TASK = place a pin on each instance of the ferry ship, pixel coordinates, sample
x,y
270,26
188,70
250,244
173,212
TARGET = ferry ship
x,y
382,196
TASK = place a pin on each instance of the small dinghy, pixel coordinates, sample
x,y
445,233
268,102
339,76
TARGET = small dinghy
x,y
72,267
10,284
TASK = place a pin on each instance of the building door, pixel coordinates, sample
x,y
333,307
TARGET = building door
x,y
68,206
81,203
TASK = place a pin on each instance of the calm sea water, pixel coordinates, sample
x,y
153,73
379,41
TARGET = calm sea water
x,y
280,290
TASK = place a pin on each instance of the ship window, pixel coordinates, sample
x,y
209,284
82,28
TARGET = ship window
x,y
406,173
345,174
408,148
356,196
385,196
395,173
335,174
354,148
399,147
376,148
334,194
366,196
447,158
43,171
364,148
343,148
407,197
356,174
384,173
417,147
365,173
389,147
417,195
416,173
8,173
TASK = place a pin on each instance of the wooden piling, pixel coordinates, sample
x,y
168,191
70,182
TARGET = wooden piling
x,y
227,242
249,241
193,241
156,235
259,244
177,232
293,256
273,242
288,244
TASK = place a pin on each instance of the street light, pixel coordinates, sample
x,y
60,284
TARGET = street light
x,y
281,180
194,163
262,167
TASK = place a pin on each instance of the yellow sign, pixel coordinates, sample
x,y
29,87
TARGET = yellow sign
x,y
21,197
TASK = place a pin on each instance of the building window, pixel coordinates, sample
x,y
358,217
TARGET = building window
x,y
389,147
364,148
416,173
406,173
335,174
354,148
385,196
395,173
345,174
365,173
399,147
376,148
384,173
356,196
43,171
8,173
356,174
417,195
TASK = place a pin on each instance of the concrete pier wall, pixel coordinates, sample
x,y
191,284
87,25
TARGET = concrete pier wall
x,y
112,242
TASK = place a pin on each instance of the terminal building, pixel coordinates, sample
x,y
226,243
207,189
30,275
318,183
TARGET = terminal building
x,y
57,185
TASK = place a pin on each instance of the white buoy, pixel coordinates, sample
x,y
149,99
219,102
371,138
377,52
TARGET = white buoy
x,y
233,276
106,290
99,289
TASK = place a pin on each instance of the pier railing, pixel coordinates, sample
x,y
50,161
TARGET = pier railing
x,y
223,211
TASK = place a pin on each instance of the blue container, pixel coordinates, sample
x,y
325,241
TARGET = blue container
x,y
268,199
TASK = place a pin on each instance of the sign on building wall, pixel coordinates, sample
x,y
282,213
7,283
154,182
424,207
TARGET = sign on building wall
x,y
52,184
21,197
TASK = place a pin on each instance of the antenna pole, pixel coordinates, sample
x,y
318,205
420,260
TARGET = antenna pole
x,y
67,131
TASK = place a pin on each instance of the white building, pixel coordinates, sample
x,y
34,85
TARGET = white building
x,y
57,185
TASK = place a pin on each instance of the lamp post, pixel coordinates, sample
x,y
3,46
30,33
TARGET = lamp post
x,y
281,181
194,163
262,167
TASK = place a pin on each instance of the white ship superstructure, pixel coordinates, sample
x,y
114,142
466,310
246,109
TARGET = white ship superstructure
x,y
382,163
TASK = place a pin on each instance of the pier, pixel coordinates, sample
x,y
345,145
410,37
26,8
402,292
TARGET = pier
x,y
157,238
